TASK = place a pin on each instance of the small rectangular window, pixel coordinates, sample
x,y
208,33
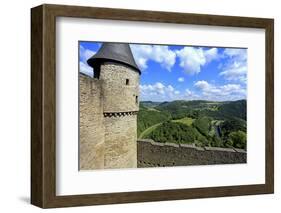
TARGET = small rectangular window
x,y
127,81
137,99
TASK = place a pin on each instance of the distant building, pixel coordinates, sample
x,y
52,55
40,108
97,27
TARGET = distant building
x,y
109,104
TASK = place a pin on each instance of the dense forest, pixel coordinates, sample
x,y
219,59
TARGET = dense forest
x,y
202,123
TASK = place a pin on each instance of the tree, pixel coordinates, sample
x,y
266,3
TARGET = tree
x,y
203,125
239,139
215,141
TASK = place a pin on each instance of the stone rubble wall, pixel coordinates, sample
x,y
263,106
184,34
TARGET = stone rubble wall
x,y
119,97
155,154
91,128
120,141
108,118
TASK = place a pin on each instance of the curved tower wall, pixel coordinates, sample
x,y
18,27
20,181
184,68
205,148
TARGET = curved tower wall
x,y
120,90
120,87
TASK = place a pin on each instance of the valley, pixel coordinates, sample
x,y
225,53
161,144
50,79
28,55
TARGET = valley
x,y
200,123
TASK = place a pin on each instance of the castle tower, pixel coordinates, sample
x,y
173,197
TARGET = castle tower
x,y
115,68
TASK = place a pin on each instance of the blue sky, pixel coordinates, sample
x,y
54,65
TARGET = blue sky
x,y
171,72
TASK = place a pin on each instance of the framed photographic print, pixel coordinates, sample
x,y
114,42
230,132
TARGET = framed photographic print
x,y
136,106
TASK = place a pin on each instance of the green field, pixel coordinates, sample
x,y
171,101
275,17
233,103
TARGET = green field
x,y
153,109
187,121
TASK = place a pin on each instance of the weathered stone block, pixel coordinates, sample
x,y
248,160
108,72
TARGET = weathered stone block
x,y
108,118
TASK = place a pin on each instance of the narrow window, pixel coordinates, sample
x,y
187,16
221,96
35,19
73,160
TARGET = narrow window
x,y
127,81
96,71
137,99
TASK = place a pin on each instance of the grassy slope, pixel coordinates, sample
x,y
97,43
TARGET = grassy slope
x,y
187,121
149,130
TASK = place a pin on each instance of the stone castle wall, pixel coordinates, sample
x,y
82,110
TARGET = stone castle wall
x,y
153,154
108,118
119,97
91,127
121,145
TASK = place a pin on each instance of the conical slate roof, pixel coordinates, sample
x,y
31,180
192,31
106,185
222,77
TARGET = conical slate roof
x,y
114,52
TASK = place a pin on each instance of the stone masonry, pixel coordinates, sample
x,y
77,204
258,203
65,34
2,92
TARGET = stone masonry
x,y
155,154
108,118
91,124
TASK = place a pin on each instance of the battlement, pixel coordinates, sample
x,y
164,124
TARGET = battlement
x,y
155,154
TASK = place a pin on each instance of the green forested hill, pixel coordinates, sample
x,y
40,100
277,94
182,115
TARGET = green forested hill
x,y
234,109
149,104
175,133
228,110
149,116
179,109
203,123
205,108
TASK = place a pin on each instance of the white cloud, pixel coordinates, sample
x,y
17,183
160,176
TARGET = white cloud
x,y
203,85
170,88
85,69
220,92
158,53
203,91
181,79
192,59
234,52
190,95
85,54
211,54
188,92
235,69
158,92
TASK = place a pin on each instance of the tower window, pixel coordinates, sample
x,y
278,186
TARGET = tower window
x,y
96,71
137,99
127,81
